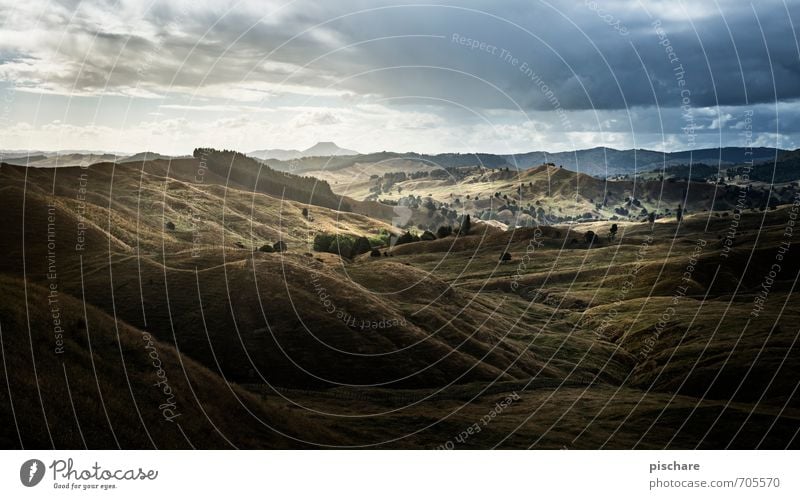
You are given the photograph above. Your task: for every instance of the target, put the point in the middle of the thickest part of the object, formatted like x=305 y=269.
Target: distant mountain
x=403 y=161
x=51 y=160
x=598 y=161
x=318 y=149
x=602 y=161
x=278 y=154
x=328 y=149
x=22 y=160
x=143 y=156
x=23 y=152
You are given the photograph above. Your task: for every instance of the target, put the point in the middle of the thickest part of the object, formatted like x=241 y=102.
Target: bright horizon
x=189 y=153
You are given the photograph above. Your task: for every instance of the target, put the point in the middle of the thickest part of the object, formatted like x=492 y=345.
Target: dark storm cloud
x=574 y=48
x=582 y=57
x=568 y=66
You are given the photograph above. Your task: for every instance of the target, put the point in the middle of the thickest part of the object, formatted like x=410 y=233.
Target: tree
x=505 y=257
x=612 y=232
x=169 y=226
x=679 y=213
x=427 y=236
x=305 y=212
x=444 y=231
x=465 y=226
x=405 y=238
x=341 y=245
x=279 y=247
x=361 y=246
x=322 y=241
x=651 y=217
x=267 y=248
x=590 y=237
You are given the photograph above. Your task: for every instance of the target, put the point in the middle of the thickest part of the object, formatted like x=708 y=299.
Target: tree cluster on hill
x=252 y=174
x=341 y=244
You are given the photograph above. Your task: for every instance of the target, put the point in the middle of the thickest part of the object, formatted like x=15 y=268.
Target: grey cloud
x=584 y=60
x=588 y=64
x=579 y=61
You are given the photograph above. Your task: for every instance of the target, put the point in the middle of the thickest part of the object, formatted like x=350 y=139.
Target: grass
x=232 y=323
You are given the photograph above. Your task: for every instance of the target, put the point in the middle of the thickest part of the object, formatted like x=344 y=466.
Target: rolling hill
x=599 y=162
x=646 y=340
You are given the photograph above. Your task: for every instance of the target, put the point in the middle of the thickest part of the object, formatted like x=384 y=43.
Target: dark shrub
x=361 y=246
x=427 y=236
x=169 y=226
x=375 y=253
x=267 y=248
x=342 y=246
x=322 y=241
x=465 y=226
x=590 y=237
x=444 y=231
x=505 y=257
x=406 y=238
x=280 y=246
x=305 y=212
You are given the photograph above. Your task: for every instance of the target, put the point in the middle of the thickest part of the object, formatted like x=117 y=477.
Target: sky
x=461 y=76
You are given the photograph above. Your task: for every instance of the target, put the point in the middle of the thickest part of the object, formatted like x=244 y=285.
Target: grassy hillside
x=647 y=339
x=547 y=194
x=109 y=385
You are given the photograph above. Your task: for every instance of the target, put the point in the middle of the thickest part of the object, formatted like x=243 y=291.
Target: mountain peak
x=327 y=149
x=324 y=148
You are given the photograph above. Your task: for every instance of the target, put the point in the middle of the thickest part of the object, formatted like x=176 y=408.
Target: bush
x=375 y=253
x=407 y=238
x=590 y=237
x=427 y=236
x=267 y=248
x=444 y=231
x=361 y=246
x=505 y=257
x=382 y=239
x=465 y=226
x=342 y=246
x=169 y=226
x=322 y=241
x=280 y=246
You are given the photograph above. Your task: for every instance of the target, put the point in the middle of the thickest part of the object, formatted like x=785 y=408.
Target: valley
x=658 y=333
